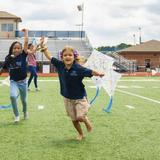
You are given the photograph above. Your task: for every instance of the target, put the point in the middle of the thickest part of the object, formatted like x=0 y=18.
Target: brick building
x=147 y=52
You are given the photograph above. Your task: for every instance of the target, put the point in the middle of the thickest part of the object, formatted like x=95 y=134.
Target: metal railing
x=53 y=34
x=123 y=64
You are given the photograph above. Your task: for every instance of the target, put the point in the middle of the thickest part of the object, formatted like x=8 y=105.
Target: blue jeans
x=16 y=89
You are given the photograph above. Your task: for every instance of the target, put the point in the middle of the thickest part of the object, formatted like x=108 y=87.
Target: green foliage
x=105 y=49
x=123 y=134
x=123 y=46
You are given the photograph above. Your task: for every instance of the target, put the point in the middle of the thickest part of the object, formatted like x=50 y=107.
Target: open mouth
x=68 y=60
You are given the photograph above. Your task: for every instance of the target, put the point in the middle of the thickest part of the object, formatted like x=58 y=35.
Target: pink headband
x=74 y=52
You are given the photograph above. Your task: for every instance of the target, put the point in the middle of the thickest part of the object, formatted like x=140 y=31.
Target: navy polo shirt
x=71 y=85
x=17 y=66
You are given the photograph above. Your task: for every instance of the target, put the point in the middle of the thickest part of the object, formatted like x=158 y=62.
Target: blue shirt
x=71 y=85
x=17 y=66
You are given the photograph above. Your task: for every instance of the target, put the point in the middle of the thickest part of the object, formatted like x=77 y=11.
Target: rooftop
x=6 y=15
x=149 y=46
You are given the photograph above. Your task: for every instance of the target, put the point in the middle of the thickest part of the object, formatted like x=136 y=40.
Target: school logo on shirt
x=73 y=73
x=15 y=65
x=18 y=64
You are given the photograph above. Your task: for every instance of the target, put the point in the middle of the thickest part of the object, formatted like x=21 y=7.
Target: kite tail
x=5 y=107
x=108 y=108
x=93 y=99
x=8 y=106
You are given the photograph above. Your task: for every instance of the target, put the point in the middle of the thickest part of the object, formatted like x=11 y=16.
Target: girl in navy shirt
x=72 y=89
x=15 y=62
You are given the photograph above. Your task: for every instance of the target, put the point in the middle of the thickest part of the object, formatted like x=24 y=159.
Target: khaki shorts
x=76 y=108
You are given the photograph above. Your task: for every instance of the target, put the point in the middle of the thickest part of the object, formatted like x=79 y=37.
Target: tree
x=105 y=49
x=123 y=46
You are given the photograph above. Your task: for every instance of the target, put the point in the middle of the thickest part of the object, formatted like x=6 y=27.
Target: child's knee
x=81 y=118
x=13 y=97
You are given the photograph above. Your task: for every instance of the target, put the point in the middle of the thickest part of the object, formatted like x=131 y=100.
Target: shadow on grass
x=64 y=143
x=11 y=123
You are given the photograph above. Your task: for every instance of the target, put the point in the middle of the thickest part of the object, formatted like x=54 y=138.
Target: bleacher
x=55 y=45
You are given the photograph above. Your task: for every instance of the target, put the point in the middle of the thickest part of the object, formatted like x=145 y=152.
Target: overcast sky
x=106 y=22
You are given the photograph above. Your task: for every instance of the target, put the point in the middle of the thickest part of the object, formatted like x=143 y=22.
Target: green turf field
x=129 y=132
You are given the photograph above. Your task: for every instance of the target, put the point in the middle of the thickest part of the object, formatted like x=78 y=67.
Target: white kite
x=103 y=63
x=6 y=82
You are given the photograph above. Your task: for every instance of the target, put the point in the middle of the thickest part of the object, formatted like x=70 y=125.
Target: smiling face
x=17 y=49
x=68 y=57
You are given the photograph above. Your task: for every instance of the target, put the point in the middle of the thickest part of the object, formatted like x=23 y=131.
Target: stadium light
x=140 y=39
x=134 y=39
x=81 y=9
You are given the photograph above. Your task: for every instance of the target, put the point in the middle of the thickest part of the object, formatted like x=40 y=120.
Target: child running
x=15 y=61
x=72 y=89
x=32 y=65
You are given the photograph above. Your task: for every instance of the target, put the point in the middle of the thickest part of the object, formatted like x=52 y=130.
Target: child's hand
x=95 y=73
x=41 y=46
x=24 y=30
x=101 y=74
x=42 y=40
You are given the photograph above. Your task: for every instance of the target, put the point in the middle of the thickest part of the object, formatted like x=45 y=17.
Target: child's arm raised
x=25 y=39
x=44 y=49
x=47 y=53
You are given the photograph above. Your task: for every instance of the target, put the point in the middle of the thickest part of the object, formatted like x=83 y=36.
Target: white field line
x=48 y=80
x=89 y=80
x=56 y=80
x=139 y=96
x=132 y=80
x=121 y=87
x=130 y=107
x=132 y=86
x=140 y=80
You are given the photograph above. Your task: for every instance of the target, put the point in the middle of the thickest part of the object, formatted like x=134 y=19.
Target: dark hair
x=11 y=47
x=29 y=45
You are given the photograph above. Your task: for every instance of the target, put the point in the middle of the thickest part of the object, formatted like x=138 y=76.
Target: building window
x=6 y=27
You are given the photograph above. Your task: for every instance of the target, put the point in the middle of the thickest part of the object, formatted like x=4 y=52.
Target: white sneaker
x=26 y=115
x=17 y=119
x=37 y=89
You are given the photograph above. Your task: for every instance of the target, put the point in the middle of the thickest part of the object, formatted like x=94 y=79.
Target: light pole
x=134 y=39
x=81 y=9
x=140 y=40
x=79 y=29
